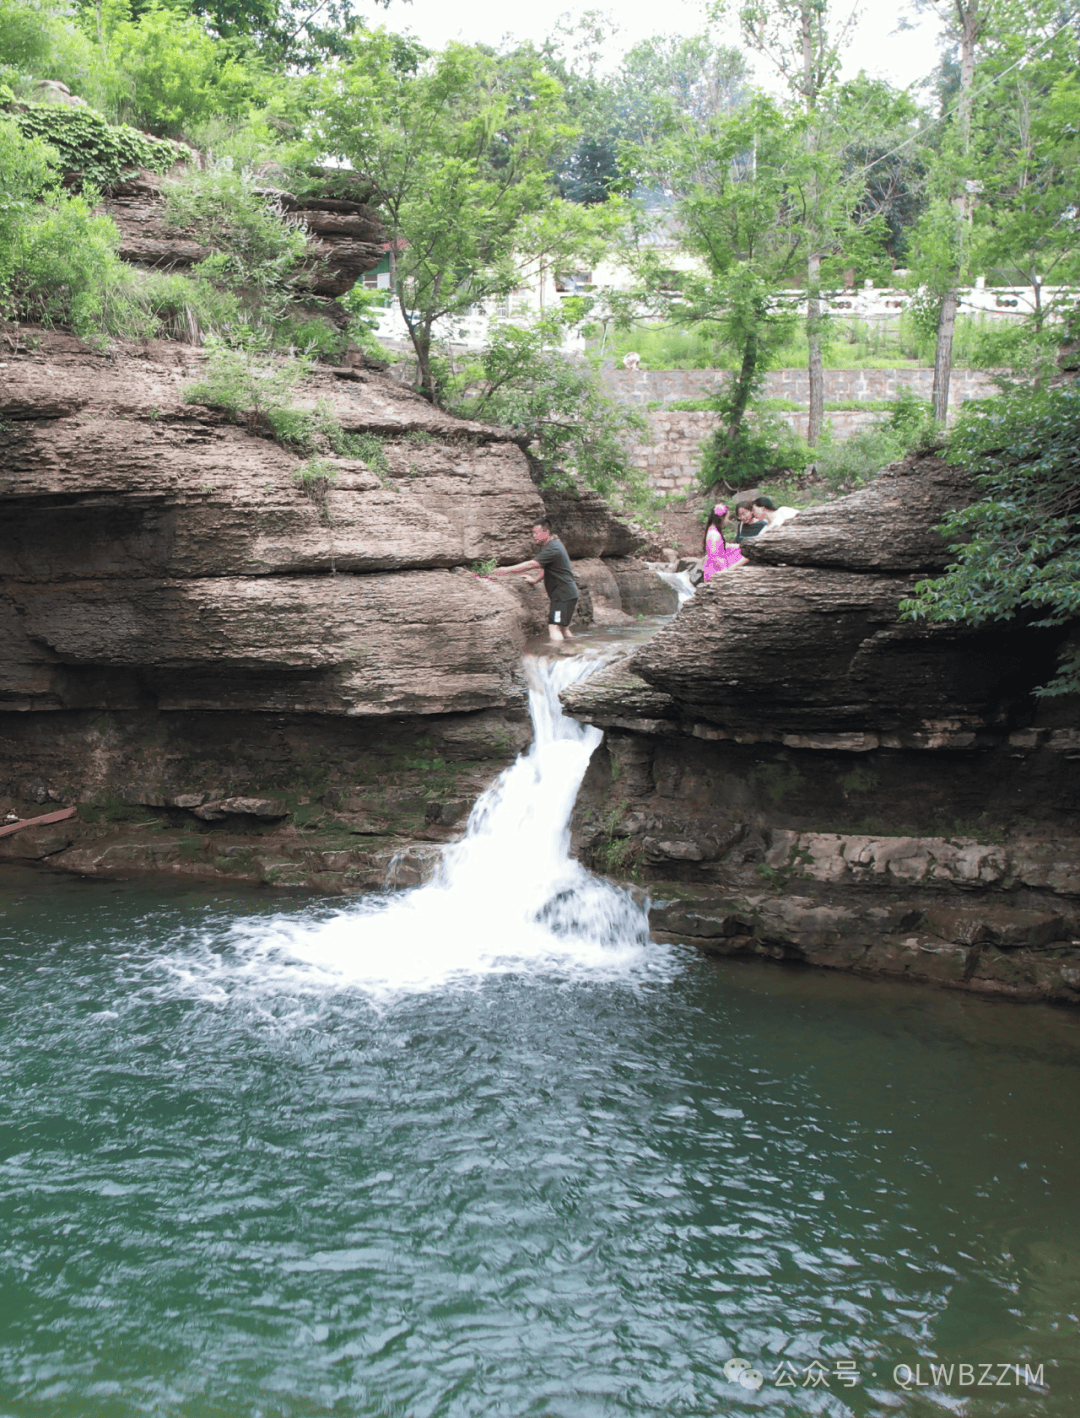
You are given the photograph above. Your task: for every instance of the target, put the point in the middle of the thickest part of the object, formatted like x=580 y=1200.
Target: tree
x=795 y=36
x=664 y=81
x=1025 y=147
x=555 y=406
x=278 y=32
x=740 y=187
x=748 y=203
x=877 y=130
x=458 y=149
x=943 y=248
x=164 y=73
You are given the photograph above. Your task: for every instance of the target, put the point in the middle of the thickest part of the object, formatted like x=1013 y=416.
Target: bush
x=908 y=428
x=1018 y=547
x=556 y=407
x=35 y=39
x=165 y=73
x=313 y=335
x=99 y=151
x=246 y=383
x=854 y=461
x=256 y=388
x=256 y=246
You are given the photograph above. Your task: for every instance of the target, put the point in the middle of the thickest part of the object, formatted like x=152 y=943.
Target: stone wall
x=642 y=387
x=671 y=456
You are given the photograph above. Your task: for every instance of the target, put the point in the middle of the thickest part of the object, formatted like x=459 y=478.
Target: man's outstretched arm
x=514 y=570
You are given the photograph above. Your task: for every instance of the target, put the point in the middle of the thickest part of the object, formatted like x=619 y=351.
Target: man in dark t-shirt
x=552 y=566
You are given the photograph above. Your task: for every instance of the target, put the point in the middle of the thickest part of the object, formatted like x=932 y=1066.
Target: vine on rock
x=98 y=151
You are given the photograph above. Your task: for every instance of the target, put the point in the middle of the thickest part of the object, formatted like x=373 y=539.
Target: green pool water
x=234 y=1184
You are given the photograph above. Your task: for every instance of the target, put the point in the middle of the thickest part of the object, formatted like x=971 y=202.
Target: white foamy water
x=684 y=587
x=508 y=898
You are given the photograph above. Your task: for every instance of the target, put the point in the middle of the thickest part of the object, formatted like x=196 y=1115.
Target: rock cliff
x=798 y=772
x=345 y=237
x=184 y=625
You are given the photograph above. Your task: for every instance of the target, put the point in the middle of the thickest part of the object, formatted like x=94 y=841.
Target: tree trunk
x=743 y=386
x=970 y=26
x=815 y=372
x=814 y=368
x=943 y=355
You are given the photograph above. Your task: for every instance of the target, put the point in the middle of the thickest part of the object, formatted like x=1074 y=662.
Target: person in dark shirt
x=552 y=566
x=749 y=525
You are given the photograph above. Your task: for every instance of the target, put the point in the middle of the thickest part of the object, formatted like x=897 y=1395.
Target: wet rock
x=266 y=809
x=642 y=591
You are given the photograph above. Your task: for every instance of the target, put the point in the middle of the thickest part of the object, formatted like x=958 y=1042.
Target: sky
x=876 y=45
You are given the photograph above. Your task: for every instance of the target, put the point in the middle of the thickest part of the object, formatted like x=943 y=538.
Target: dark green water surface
x=230 y=1186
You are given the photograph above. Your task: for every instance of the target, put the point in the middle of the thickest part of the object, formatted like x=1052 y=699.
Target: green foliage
x=60 y=266
x=911 y=420
x=315 y=470
x=246 y=383
x=846 y=464
x=483 y=568
x=668 y=346
x=851 y=463
x=165 y=73
x=316 y=476
x=687 y=406
x=98 y=151
x=614 y=851
x=761 y=448
x=38 y=39
x=459 y=148
x=59 y=262
x=313 y=335
x=362 y=303
x=369 y=448
x=256 y=388
x=556 y=407
x=256 y=248
x=1018 y=547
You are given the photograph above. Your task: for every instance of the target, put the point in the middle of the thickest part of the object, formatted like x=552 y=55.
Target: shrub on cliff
x=256 y=248
x=555 y=405
x=59 y=262
x=1018 y=547
x=94 y=151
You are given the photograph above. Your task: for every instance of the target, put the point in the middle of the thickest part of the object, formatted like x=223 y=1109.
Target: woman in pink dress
x=718 y=555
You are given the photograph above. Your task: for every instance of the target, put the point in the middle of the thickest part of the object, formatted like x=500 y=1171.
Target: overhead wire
x=974 y=94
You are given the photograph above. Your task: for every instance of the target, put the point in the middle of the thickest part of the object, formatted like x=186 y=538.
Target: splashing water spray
x=508 y=898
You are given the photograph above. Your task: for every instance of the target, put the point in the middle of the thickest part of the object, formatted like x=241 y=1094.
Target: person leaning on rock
x=749 y=525
x=766 y=509
x=554 y=568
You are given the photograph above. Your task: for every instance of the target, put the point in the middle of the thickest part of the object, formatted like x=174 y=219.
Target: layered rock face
x=799 y=772
x=345 y=238
x=183 y=623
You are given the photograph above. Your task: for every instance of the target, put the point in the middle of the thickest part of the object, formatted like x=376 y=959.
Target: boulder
x=887 y=526
x=800 y=650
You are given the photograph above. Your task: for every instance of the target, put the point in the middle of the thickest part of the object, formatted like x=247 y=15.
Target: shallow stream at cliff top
x=481 y=1149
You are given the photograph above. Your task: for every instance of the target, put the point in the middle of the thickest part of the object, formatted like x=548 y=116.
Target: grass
x=893 y=343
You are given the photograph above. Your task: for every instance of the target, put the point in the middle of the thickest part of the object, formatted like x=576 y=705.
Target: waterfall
x=684 y=587
x=508 y=898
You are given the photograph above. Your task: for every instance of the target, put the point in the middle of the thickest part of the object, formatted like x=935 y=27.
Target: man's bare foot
x=555 y=635
x=567 y=634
